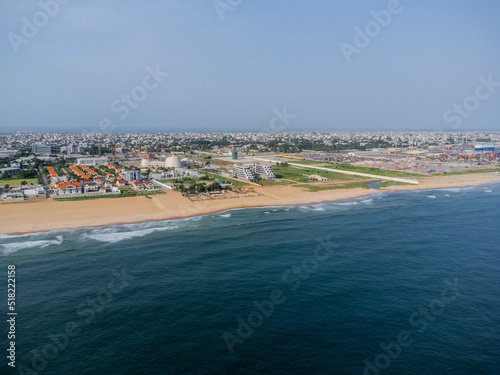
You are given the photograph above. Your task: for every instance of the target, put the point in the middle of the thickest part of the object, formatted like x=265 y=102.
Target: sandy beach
x=47 y=215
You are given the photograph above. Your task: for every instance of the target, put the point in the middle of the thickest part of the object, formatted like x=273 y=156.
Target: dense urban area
x=201 y=166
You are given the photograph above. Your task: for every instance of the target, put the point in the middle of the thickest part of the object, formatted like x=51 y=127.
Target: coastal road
x=385 y=178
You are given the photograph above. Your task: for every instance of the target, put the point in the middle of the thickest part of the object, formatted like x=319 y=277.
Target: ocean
x=394 y=283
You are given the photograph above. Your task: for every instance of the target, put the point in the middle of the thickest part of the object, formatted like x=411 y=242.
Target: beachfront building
x=91 y=187
x=149 y=185
x=244 y=172
x=264 y=171
x=94 y=162
x=68 y=188
x=13 y=196
x=253 y=172
x=33 y=190
x=137 y=185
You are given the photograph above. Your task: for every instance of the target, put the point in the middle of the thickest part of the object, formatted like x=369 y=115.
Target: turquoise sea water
x=399 y=283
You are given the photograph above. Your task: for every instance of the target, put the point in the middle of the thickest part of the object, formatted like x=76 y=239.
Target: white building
x=253 y=172
x=264 y=171
x=244 y=172
x=170 y=162
x=33 y=190
x=92 y=162
x=16 y=196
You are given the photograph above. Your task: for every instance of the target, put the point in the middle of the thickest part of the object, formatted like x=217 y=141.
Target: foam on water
x=10 y=248
x=355 y=203
x=113 y=235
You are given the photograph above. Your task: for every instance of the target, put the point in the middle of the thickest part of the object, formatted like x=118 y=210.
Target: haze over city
x=232 y=66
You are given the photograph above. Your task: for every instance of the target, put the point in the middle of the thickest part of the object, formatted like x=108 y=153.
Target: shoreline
x=25 y=218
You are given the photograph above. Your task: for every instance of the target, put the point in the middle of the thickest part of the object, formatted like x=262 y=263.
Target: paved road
x=44 y=181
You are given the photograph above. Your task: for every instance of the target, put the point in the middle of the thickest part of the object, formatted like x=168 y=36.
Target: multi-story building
x=244 y=172
x=264 y=171
x=40 y=149
x=133 y=175
x=253 y=172
x=7 y=153
x=95 y=162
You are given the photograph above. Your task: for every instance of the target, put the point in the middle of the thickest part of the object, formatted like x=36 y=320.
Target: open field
x=17 y=181
x=350 y=168
x=326 y=186
x=298 y=174
x=475 y=171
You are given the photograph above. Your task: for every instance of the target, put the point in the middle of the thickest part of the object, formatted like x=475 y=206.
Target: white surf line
x=404 y=180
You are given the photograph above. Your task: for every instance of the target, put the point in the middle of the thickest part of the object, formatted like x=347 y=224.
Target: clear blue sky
x=229 y=75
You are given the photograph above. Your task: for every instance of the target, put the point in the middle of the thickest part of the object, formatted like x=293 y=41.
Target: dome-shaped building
x=173 y=162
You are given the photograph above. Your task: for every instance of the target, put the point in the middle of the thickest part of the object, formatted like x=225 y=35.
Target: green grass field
x=350 y=168
x=17 y=181
x=217 y=177
x=298 y=174
x=475 y=171
x=350 y=185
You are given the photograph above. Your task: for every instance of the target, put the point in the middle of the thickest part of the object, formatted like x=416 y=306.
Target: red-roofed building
x=67 y=188
x=137 y=185
x=149 y=185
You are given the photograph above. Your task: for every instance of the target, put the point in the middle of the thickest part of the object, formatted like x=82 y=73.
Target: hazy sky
x=233 y=65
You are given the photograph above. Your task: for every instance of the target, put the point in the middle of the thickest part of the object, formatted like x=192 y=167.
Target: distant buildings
x=40 y=149
x=95 y=162
x=7 y=153
x=72 y=149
